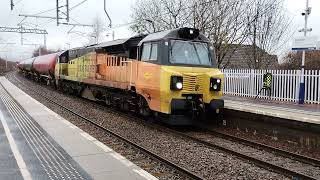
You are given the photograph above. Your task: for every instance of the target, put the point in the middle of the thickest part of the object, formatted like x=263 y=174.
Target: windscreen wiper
x=195 y=49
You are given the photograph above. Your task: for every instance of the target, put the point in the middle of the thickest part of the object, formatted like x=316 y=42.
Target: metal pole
x=67 y=6
x=45 y=41
x=302 y=83
x=105 y=10
x=6 y=62
x=21 y=36
x=11 y=5
x=57 y=12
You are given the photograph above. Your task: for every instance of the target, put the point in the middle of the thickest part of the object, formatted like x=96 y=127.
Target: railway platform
x=297 y=125
x=295 y=112
x=37 y=143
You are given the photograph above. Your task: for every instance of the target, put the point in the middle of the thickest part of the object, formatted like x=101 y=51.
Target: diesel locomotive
x=170 y=75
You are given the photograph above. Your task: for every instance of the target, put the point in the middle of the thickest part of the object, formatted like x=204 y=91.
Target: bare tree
x=97 y=31
x=43 y=51
x=225 y=27
x=152 y=16
x=221 y=21
x=6 y=65
x=227 y=23
x=268 y=30
x=293 y=61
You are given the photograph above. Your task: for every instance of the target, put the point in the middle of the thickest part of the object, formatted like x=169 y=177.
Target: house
x=242 y=57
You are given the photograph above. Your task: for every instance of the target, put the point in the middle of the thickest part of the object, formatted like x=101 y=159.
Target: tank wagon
x=26 y=66
x=170 y=75
x=41 y=67
x=44 y=66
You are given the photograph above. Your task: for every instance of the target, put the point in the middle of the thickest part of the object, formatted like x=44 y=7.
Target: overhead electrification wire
x=53 y=9
x=18 y=2
x=47 y=11
x=46 y=23
x=77 y=5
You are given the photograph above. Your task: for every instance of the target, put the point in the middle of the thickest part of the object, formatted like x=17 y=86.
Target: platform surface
x=36 y=143
x=304 y=113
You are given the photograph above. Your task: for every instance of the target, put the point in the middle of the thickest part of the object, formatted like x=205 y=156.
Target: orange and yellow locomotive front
x=195 y=88
x=180 y=77
x=170 y=88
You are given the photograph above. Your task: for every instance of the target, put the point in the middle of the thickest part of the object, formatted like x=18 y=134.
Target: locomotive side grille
x=192 y=83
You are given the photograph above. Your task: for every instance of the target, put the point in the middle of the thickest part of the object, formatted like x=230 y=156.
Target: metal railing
x=285 y=84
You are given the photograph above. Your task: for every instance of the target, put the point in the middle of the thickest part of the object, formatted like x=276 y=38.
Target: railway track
x=281 y=152
x=261 y=163
x=151 y=154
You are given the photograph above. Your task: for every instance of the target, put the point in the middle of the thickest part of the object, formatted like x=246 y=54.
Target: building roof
x=241 y=57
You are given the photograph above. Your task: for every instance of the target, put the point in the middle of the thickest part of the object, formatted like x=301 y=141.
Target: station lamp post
x=306 y=14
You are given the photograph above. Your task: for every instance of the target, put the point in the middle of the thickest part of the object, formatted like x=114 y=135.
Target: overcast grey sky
x=119 y=11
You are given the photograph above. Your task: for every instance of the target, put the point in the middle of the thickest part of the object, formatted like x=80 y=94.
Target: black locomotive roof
x=111 y=43
x=179 y=33
x=128 y=42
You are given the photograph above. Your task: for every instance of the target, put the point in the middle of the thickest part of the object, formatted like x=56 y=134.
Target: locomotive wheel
x=36 y=78
x=70 y=90
x=108 y=100
x=78 y=92
x=143 y=108
x=65 y=88
x=125 y=105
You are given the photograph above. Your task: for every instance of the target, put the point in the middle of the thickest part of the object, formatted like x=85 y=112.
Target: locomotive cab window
x=189 y=52
x=149 y=52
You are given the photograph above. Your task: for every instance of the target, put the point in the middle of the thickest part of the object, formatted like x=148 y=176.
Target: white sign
x=305 y=43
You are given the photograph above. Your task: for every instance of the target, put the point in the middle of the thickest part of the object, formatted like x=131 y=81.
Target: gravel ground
x=260 y=154
x=211 y=164
x=285 y=145
x=155 y=168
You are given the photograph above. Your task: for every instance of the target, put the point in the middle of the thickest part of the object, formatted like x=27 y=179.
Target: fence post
x=312 y=84
x=318 y=87
x=298 y=76
x=251 y=82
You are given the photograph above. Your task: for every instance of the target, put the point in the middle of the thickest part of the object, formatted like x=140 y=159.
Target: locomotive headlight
x=215 y=84
x=176 y=83
x=179 y=85
x=215 y=87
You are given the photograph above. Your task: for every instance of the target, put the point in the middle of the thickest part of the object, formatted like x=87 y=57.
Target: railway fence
x=285 y=84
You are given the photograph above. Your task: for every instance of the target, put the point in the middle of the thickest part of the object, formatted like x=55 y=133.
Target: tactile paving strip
x=56 y=163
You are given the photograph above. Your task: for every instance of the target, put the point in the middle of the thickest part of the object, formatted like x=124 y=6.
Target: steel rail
x=258 y=162
x=129 y=142
x=281 y=152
